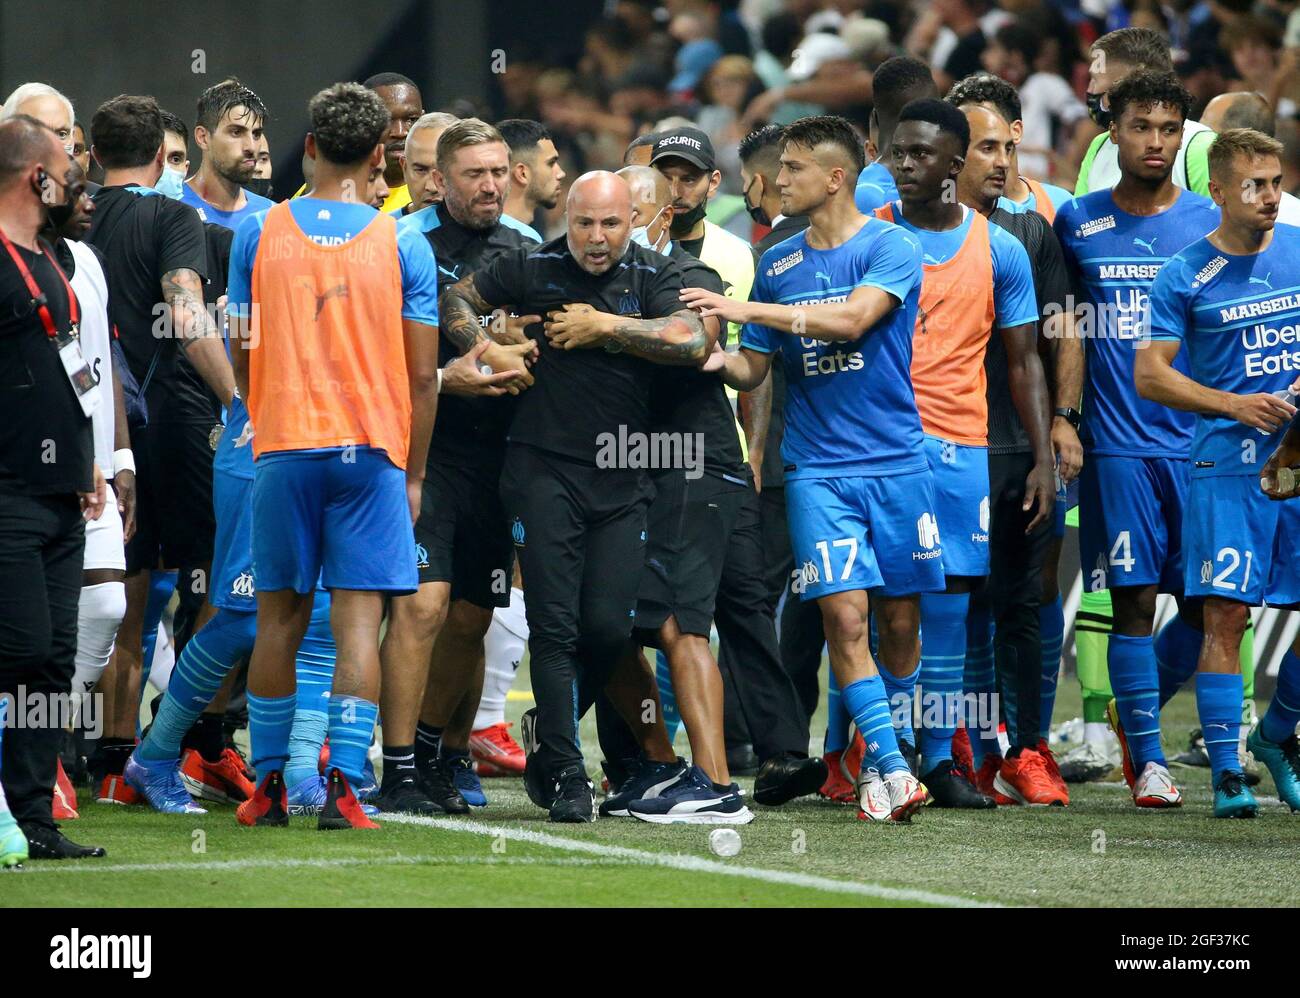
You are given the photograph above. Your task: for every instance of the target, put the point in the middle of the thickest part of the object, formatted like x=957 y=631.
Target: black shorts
x=462 y=535
x=175 y=523
x=690 y=525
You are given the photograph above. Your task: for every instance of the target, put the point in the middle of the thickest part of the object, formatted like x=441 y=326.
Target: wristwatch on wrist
x=1072 y=416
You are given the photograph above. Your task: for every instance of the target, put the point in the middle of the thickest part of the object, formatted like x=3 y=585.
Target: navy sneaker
x=466 y=780
x=541 y=791
x=694 y=800
x=647 y=781
x=575 y=797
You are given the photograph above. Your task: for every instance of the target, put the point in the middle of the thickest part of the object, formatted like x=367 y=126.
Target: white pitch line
x=235 y=865
x=694 y=864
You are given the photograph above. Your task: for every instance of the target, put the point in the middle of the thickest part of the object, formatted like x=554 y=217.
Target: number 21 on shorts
x=1228 y=560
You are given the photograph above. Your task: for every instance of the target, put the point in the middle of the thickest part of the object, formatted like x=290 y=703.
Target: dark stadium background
x=95 y=49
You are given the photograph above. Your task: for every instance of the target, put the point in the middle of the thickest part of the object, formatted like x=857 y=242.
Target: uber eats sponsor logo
x=1268 y=349
x=98 y=952
x=651 y=451
x=1120 y=317
x=819 y=358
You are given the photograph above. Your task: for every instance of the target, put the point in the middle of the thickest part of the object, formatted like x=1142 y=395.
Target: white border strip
x=693 y=864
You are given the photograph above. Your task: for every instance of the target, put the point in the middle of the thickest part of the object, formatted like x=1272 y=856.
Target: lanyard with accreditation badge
x=68 y=344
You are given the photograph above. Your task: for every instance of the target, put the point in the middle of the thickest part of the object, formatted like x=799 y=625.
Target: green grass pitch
x=1100 y=851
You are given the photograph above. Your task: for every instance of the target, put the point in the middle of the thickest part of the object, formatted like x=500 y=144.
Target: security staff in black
x=433 y=652
x=574 y=486
x=47 y=476
x=1016 y=554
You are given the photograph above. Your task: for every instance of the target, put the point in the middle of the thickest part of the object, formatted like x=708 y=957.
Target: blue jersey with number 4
x=1239 y=318
x=1116 y=257
x=850 y=409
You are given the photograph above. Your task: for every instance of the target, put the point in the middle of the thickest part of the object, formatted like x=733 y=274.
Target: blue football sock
x=270 y=720
x=206 y=660
x=1178 y=647
x=1051 y=631
x=900 y=691
x=837 y=718
x=1218 y=703
x=314 y=670
x=1131 y=662
x=981 y=686
x=664 y=679
x=943 y=668
x=161 y=587
x=351 y=726
x=1283 y=713
x=865 y=701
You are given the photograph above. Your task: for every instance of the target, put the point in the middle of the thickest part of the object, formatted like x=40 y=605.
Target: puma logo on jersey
x=338 y=291
x=1265 y=280
x=1150 y=247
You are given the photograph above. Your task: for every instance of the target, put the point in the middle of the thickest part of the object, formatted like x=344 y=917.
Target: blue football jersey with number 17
x=850 y=409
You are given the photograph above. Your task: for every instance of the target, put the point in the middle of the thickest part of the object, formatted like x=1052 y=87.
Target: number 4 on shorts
x=1121 y=552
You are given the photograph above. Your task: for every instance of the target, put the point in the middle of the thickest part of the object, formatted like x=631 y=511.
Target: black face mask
x=260 y=185
x=756 y=211
x=60 y=214
x=1096 y=112
x=687 y=220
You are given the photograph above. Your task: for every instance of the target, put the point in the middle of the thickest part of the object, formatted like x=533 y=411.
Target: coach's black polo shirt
x=581 y=394
x=467 y=430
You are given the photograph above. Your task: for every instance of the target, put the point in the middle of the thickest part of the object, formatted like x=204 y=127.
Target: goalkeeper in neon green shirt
x=1113 y=57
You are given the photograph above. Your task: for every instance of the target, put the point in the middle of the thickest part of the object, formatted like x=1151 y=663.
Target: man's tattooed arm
x=459 y=308
x=196 y=334
x=682 y=338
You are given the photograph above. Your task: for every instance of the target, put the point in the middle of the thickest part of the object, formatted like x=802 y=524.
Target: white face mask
x=641 y=236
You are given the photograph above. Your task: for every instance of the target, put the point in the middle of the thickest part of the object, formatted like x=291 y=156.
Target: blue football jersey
x=1239 y=320
x=875 y=188
x=850 y=409
x=1115 y=257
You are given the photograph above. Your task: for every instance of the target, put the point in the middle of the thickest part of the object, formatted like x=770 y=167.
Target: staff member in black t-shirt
x=157 y=263
x=48 y=482
x=1018 y=555
x=574 y=484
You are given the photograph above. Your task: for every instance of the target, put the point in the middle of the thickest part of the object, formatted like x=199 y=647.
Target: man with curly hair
x=334 y=318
